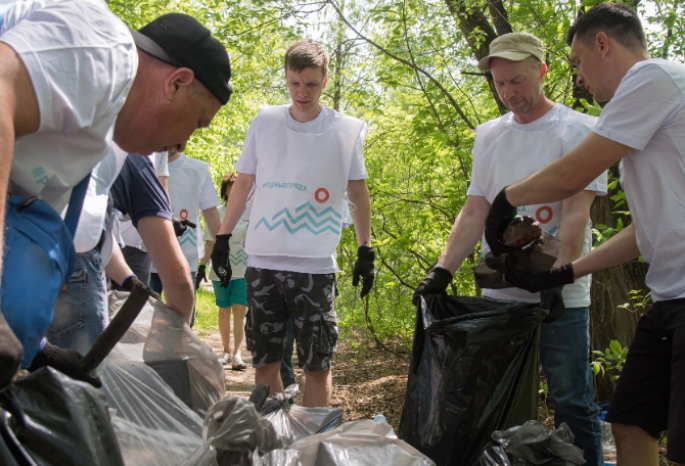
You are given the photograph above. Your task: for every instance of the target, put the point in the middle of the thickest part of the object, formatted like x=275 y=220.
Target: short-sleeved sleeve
x=247 y=163
x=358 y=168
x=475 y=188
x=137 y=191
x=162 y=163
x=647 y=90
x=208 y=197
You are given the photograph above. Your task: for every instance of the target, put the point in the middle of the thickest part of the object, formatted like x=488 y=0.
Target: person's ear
x=325 y=81
x=178 y=81
x=602 y=43
x=543 y=71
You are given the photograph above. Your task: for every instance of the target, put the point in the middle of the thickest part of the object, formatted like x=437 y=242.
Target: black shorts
x=274 y=297
x=651 y=389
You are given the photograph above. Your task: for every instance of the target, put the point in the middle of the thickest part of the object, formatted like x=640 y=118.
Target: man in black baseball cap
x=182 y=81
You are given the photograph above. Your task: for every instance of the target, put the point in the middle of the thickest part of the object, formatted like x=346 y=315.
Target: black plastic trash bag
x=533 y=444
x=293 y=422
x=56 y=421
x=469 y=366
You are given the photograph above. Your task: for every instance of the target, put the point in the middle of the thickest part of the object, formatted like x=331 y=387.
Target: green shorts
x=276 y=296
x=236 y=293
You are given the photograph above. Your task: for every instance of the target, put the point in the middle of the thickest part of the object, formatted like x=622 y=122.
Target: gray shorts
x=274 y=297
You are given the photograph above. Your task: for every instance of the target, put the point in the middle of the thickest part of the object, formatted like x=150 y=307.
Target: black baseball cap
x=181 y=40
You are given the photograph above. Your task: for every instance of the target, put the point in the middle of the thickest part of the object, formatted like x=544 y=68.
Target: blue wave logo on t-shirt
x=306 y=218
x=238 y=258
x=188 y=237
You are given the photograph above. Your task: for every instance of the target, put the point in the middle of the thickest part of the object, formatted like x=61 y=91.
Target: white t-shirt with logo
x=82 y=62
x=191 y=190
x=248 y=164
x=647 y=113
x=506 y=152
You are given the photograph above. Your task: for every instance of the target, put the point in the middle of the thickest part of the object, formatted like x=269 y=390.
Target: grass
x=206 y=312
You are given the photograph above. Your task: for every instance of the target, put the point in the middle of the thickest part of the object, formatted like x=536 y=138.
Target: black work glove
x=180 y=226
x=67 y=361
x=363 y=269
x=500 y=216
x=552 y=300
x=200 y=275
x=11 y=353
x=553 y=278
x=220 y=259
x=436 y=282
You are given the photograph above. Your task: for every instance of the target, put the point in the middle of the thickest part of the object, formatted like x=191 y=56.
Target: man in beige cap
x=508 y=149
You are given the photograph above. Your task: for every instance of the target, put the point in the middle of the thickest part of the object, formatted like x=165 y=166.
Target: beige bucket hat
x=515 y=46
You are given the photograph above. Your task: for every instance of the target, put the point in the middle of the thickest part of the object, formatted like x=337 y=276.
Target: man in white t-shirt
x=507 y=150
x=300 y=159
x=643 y=126
x=192 y=192
x=74 y=80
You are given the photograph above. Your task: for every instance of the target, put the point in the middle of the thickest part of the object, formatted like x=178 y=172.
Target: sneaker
x=225 y=359
x=238 y=364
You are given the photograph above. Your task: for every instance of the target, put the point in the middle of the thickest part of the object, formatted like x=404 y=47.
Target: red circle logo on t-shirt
x=544 y=214
x=183 y=214
x=321 y=195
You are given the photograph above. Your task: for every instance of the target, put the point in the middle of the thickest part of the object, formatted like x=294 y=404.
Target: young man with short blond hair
x=301 y=158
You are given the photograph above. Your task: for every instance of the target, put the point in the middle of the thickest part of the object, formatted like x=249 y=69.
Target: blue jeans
x=156 y=286
x=81 y=308
x=287 y=373
x=564 y=355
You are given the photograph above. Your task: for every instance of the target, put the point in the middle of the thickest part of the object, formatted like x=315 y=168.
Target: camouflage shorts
x=274 y=297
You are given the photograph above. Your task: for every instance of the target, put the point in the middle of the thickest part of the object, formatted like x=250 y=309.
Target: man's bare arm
x=161 y=243
x=235 y=207
x=19 y=116
x=117 y=269
x=358 y=192
x=213 y=220
x=570 y=174
x=209 y=246
x=466 y=232
x=575 y=212
x=618 y=250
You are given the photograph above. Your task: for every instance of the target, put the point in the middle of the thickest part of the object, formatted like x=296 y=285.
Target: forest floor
x=366 y=380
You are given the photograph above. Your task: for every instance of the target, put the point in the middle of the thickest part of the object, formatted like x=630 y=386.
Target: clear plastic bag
x=293 y=422
x=234 y=434
x=277 y=458
x=153 y=425
x=171 y=348
x=358 y=443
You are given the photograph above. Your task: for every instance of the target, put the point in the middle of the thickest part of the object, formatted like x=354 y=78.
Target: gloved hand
x=500 y=216
x=220 y=259
x=64 y=360
x=180 y=226
x=11 y=353
x=436 y=282
x=544 y=281
x=200 y=275
x=363 y=269
x=552 y=300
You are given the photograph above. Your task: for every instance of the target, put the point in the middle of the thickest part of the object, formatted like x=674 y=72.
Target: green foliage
x=410 y=72
x=610 y=361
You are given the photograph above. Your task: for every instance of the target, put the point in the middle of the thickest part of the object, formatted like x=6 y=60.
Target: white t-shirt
x=647 y=114
x=160 y=160
x=82 y=62
x=248 y=164
x=506 y=152
x=191 y=190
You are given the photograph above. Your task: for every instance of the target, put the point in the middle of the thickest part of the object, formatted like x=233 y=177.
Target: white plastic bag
x=293 y=422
